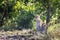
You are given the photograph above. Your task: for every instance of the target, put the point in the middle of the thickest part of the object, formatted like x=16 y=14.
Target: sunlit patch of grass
x=52 y=27
x=54 y=31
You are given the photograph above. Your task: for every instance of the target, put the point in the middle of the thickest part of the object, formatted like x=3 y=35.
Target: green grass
x=52 y=27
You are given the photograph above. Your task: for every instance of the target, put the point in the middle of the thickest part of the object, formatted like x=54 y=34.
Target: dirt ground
x=21 y=35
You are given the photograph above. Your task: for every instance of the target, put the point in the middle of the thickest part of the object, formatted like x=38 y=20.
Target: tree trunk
x=5 y=13
x=48 y=12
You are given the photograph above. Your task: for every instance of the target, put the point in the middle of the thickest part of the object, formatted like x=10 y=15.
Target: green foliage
x=25 y=18
x=22 y=12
